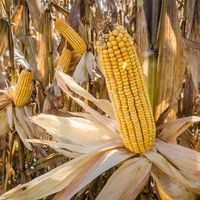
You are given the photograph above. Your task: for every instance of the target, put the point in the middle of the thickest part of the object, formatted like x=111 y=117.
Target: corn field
x=99 y=99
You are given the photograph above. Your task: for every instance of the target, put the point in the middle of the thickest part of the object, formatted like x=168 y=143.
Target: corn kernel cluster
x=22 y=91
x=127 y=91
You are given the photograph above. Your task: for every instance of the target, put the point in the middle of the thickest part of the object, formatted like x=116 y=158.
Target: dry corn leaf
x=190 y=181
x=17 y=16
x=35 y=8
x=2 y=10
x=85 y=106
x=75 y=129
x=104 y=105
x=22 y=119
x=72 y=176
x=90 y=117
x=36 y=131
x=97 y=168
x=3 y=35
x=179 y=156
x=80 y=74
x=60 y=9
x=21 y=132
x=120 y=185
x=4 y=127
x=193 y=55
x=174 y=190
x=142 y=39
x=30 y=44
x=66 y=153
x=20 y=59
x=5 y=99
x=172 y=129
x=42 y=71
x=82 y=31
x=86 y=69
x=77 y=148
x=9 y=109
x=171 y=58
x=99 y=117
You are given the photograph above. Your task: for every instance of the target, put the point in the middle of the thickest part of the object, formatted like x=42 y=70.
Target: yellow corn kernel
x=111 y=38
x=22 y=91
x=115 y=33
x=121 y=44
x=71 y=35
x=109 y=44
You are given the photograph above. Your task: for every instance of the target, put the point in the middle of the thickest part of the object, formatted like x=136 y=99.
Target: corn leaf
x=179 y=156
x=22 y=133
x=4 y=127
x=5 y=99
x=169 y=187
x=172 y=129
x=89 y=109
x=188 y=180
x=104 y=105
x=10 y=116
x=78 y=148
x=127 y=181
x=72 y=176
x=171 y=58
x=75 y=129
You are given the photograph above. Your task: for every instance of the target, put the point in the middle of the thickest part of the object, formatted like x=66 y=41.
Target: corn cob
x=65 y=59
x=22 y=91
x=127 y=91
x=71 y=36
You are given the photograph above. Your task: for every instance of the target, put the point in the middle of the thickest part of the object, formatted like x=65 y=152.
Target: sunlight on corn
x=127 y=90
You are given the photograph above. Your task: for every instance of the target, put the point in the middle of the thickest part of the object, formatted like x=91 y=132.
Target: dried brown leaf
x=172 y=129
x=72 y=176
x=9 y=109
x=17 y=16
x=3 y=35
x=4 y=127
x=186 y=179
x=22 y=133
x=35 y=9
x=109 y=159
x=171 y=58
x=104 y=105
x=179 y=156
x=75 y=129
x=172 y=189
x=120 y=185
x=5 y=99
x=193 y=34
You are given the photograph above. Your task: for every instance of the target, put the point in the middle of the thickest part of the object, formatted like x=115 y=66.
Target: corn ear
x=127 y=90
x=71 y=36
x=22 y=91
